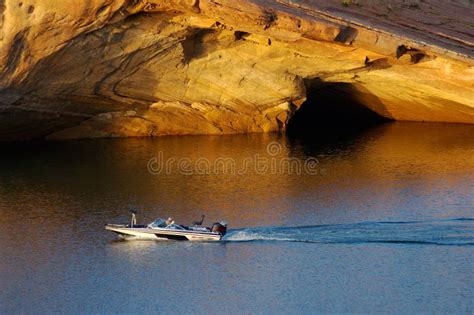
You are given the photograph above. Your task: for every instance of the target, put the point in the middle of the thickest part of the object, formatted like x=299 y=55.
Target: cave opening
x=335 y=110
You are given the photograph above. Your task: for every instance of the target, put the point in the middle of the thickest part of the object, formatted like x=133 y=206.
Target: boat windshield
x=176 y=227
x=158 y=223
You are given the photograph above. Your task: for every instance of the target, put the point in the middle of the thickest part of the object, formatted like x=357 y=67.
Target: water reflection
x=69 y=181
x=58 y=196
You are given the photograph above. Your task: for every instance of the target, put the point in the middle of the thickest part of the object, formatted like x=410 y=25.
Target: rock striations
x=114 y=68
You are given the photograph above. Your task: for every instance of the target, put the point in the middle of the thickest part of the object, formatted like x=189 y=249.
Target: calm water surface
x=384 y=222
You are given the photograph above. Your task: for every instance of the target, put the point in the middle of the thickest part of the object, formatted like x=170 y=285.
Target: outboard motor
x=219 y=227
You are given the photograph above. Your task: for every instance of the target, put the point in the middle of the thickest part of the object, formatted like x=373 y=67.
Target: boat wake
x=458 y=232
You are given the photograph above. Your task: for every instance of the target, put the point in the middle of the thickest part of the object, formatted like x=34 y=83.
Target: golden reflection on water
x=82 y=181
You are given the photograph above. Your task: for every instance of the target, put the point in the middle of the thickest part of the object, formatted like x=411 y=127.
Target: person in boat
x=133 y=220
x=169 y=221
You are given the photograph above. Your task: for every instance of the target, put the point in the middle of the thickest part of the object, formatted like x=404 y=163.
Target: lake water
x=382 y=221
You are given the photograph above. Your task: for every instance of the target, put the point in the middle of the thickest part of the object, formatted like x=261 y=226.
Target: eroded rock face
x=77 y=69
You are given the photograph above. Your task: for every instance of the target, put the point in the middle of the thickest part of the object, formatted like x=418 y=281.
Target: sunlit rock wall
x=75 y=69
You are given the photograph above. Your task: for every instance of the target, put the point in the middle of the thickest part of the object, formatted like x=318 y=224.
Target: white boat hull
x=162 y=233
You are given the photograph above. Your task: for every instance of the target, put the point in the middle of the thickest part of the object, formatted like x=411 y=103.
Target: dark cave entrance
x=335 y=110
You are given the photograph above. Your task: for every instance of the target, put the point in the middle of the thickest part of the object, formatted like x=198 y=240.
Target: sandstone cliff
x=73 y=68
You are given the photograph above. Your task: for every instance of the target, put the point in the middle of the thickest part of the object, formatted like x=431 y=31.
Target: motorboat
x=161 y=229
